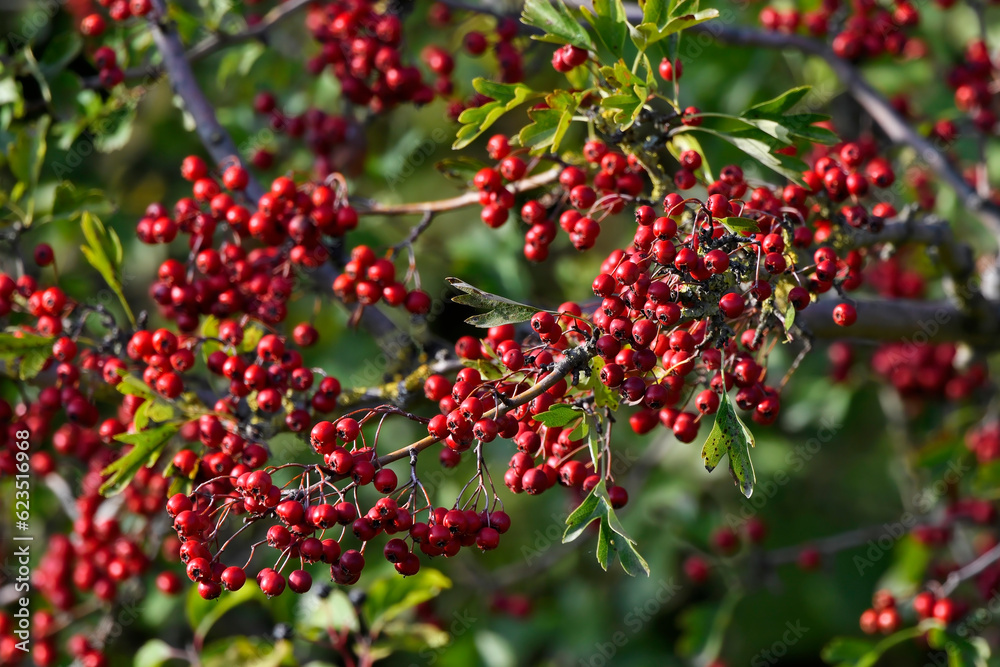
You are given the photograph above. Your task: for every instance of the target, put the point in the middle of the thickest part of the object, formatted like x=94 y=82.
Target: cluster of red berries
x=109 y=72
x=647 y=287
x=228 y=279
x=868 y=31
x=587 y=198
x=325 y=134
x=361 y=45
x=972 y=81
x=927 y=370
x=884 y=615
x=368 y=280
x=848 y=173
x=44 y=649
x=302 y=517
x=94 y=557
x=94 y=25
x=984 y=442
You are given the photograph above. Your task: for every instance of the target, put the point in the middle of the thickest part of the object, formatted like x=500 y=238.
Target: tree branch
x=901 y=320
x=215 y=138
x=221 y=40
x=877 y=106
x=398 y=391
x=370 y=207
x=572 y=361
x=215 y=43
x=967 y=572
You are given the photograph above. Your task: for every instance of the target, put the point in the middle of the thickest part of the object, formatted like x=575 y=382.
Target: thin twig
x=970 y=570
x=369 y=207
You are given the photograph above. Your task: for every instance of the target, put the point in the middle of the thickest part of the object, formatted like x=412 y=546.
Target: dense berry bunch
x=865 y=29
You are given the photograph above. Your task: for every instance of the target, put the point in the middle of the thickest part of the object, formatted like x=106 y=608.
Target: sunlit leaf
x=730 y=436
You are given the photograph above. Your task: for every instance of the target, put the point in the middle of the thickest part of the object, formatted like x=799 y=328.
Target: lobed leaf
x=502 y=311
x=31 y=351
x=556 y=22
x=146 y=449
x=610 y=26
x=559 y=414
x=475 y=121
x=104 y=252
x=730 y=436
x=611 y=536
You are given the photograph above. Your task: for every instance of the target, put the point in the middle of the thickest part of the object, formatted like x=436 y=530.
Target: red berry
x=845 y=314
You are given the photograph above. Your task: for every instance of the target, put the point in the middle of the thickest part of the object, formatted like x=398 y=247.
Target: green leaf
x=141 y=416
x=761 y=150
x=251 y=336
x=209 y=329
x=25 y=156
x=26 y=153
x=238 y=61
x=687 y=142
x=778 y=105
x=591 y=509
x=390 y=596
x=611 y=536
x=146 y=449
x=477 y=120
x=316 y=616
x=104 y=252
x=581 y=430
x=744 y=226
x=409 y=637
x=247 y=651
x=115 y=128
x=629 y=102
x=790 y=312
x=153 y=653
x=546 y=129
x=594 y=445
x=632 y=562
x=559 y=414
x=604 y=396
x=842 y=654
x=160 y=411
x=59 y=51
x=962 y=651
x=610 y=25
x=69 y=202
x=131 y=385
x=286 y=445
x=31 y=351
x=549 y=126
x=603 y=543
x=788 y=125
x=557 y=23
x=646 y=34
x=202 y=614
x=654 y=11
x=682 y=7
x=502 y=311
x=846 y=649
x=730 y=436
